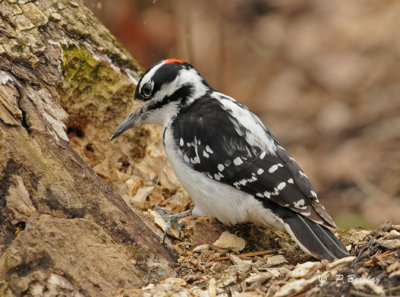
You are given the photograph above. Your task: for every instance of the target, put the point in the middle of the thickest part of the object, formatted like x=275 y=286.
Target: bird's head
x=162 y=89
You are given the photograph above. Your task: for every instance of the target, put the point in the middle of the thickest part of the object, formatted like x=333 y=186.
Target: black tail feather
x=314 y=238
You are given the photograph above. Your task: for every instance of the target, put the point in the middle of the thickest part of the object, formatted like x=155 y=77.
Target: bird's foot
x=172 y=220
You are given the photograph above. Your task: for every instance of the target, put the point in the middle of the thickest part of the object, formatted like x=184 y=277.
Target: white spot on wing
x=260 y=171
x=267 y=194
x=313 y=194
x=209 y=150
x=300 y=204
x=263 y=155
x=281 y=186
x=217 y=177
x=303 y=174
x=273 y=168
x=221 y=167
x=252 y=179
x=237 y=161
x=290 y=181
x=181 y=142
x=205 y=154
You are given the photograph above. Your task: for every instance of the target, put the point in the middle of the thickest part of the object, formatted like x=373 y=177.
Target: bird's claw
x=172 y=220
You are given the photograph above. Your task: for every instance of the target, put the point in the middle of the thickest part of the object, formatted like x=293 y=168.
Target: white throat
x=164 y=115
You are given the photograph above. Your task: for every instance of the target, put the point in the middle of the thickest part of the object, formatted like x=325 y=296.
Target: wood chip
x=296 y=286
x=257 y=279
x=340 y=262
x=368 y=284
x=389 y=244
x=230 y=241
x=140 y=199
x=275 y=260
x=212 y=288
x=305 y=269
x=200 y=248
x=393 y=267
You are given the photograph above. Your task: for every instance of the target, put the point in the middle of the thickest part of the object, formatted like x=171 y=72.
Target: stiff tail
x=314 y=238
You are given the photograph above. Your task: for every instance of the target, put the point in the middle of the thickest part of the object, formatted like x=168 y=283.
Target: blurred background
x=324 y=76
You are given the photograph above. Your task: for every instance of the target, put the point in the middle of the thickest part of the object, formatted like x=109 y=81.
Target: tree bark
x=62 y=229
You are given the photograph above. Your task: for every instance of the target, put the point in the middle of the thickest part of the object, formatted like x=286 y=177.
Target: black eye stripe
x=181 y=93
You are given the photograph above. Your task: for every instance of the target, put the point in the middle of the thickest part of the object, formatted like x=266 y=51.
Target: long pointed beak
x=134 y=117
x=130 y=120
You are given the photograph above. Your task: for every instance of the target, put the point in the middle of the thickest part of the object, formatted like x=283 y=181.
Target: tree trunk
x=62 y=229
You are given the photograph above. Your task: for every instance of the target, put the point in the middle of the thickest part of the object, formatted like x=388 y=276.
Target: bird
x=232 y=166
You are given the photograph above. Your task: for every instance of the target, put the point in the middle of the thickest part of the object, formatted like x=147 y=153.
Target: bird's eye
x=147 y=89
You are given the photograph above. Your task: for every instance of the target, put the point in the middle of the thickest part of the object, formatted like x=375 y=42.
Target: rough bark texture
x=62 y=229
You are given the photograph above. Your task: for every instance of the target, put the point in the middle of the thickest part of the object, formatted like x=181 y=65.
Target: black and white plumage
x=231 y=165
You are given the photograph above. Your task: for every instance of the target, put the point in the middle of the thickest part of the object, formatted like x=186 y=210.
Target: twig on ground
x=251 y=254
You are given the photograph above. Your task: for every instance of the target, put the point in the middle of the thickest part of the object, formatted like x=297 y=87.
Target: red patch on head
x=173 y=60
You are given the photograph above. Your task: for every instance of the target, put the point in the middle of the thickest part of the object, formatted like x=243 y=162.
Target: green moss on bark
x=92 y=90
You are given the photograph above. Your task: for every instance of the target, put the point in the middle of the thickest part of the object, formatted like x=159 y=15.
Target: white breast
x=212 y=198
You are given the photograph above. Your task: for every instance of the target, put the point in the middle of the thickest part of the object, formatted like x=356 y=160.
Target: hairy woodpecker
x=233 y=168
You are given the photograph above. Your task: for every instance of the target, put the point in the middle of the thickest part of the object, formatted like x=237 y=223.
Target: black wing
x=212 y=141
